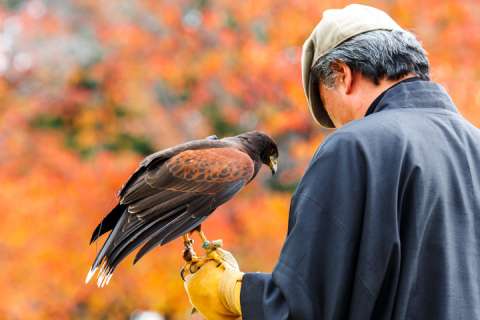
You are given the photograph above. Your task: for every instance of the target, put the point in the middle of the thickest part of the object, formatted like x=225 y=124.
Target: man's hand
x=213 y=284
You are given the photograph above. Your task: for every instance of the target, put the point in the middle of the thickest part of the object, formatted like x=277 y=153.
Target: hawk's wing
x=173 y=197
x=151 y=162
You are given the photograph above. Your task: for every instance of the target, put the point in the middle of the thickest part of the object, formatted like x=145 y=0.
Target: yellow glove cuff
x=229 y=287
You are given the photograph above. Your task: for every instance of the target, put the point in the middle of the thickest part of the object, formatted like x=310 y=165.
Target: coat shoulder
x=376 y=136
x=385 y=125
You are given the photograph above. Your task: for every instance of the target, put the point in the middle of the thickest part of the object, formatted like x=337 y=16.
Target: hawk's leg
x=210 y=246
x=189 y=254
x=207 y=244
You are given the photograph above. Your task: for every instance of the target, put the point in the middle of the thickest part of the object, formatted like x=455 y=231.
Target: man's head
x=352 y=56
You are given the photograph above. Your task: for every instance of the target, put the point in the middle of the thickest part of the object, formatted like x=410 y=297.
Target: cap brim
x=315 y=103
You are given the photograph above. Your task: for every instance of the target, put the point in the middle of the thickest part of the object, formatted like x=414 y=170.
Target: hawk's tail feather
x=101 y=255
x=118 y=246
x=104 y=275
x=90 y=274
x=131 y=244
x=108 y=223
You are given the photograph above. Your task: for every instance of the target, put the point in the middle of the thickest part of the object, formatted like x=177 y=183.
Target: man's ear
x=344 y=76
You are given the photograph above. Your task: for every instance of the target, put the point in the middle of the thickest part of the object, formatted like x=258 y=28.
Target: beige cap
x=336 y=26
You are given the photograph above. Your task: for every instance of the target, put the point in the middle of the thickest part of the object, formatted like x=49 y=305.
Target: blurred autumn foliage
x=87 y=88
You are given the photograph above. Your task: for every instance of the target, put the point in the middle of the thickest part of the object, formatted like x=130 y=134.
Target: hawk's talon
x=189 y=254
x=193 y=268
x=213 y=255
x=188 y=243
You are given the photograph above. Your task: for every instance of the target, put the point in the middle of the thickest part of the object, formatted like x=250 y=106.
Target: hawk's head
x=262 y=146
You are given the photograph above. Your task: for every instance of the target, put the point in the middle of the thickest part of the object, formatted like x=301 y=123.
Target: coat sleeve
x=314 y=275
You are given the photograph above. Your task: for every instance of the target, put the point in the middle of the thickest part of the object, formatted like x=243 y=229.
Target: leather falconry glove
x=213 y=284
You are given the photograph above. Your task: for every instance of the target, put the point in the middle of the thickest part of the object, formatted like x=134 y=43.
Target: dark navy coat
x=385 y=223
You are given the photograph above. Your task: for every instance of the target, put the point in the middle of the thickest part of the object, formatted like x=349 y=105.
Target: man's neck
x=371 y=91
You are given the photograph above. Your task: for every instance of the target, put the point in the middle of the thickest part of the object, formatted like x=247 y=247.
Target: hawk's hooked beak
x=273 y=164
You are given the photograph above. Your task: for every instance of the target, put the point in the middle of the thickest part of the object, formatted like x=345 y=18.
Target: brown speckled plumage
x=211 y=165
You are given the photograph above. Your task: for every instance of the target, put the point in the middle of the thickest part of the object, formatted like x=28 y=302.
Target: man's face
x=337 y=104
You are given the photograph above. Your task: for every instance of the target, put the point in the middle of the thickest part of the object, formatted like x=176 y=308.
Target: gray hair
x=376 y=55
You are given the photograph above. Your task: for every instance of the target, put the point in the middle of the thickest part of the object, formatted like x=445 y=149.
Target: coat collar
x=412 y=93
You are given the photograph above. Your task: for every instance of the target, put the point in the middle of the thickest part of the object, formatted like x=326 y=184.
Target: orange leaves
x=110 y=81
x=50 y=208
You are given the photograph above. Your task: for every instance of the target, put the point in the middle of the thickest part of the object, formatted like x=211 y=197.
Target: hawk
x=174 y=190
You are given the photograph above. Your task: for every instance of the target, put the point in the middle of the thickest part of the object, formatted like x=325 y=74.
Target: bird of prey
x=174 y=190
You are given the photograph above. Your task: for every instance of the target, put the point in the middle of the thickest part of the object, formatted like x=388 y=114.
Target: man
x=385 y=223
